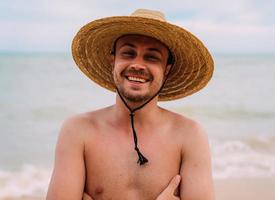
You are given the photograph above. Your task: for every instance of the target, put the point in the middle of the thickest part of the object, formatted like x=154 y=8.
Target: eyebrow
x=127 y=44
x=156 y=50
x=150 y=49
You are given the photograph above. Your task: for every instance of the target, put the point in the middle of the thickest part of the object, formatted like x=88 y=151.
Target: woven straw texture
x=193 y=64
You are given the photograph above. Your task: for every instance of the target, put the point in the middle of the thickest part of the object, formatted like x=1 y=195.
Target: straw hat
x=193 y=65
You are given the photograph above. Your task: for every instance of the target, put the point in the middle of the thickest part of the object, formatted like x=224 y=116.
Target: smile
x=136 y=79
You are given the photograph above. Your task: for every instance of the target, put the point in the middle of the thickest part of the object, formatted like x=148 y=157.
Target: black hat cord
x=141 y=158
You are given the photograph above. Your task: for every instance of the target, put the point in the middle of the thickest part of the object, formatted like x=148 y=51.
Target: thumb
x=174 y=183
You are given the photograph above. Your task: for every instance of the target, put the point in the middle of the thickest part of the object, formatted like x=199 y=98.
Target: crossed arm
x=166 y=194
x=68 y=178
x=196 y=172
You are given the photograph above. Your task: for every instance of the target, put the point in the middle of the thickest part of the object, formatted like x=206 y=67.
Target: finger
x=86 y=197
x=174 y=183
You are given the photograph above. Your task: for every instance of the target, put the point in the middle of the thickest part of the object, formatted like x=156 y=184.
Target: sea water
x=39 y=91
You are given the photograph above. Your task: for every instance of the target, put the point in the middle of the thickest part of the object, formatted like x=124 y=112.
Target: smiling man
x=138 y=83
x=135 y=149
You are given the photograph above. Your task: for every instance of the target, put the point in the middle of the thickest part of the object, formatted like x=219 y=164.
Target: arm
x=68 y=178
x=197 y=183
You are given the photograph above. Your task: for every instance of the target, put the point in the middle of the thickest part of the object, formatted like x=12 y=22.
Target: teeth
x=131 y=78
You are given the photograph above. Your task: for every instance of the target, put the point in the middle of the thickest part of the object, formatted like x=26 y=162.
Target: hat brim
x=193 y=65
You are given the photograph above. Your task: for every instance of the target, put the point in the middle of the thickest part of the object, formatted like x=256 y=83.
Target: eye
x=128 y=53
x=152 y=58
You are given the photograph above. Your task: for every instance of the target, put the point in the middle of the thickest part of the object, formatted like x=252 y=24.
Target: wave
x=28 y=181
x=253 y=157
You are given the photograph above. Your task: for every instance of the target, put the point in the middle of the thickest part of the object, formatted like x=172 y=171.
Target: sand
x=245 y=189
x=227 y=189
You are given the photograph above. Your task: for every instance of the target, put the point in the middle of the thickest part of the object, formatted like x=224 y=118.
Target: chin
x=137 y=98
x=134 y=97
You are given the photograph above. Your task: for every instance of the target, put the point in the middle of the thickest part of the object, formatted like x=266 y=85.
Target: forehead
x=136 y=40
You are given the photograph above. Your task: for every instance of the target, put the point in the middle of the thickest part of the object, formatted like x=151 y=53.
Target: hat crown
x=152 y=14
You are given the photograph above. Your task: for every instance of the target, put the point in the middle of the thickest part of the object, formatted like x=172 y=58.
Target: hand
x=86 y=197
x=169 y=192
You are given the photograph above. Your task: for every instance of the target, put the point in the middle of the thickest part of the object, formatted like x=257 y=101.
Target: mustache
x=142 y=73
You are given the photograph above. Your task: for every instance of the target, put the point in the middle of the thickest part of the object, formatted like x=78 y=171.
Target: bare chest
x=112 y=171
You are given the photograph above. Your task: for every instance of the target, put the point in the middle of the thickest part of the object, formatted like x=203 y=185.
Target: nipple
x=99 y=190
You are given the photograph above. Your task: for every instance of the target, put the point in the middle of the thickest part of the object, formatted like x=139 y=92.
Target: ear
x=167 y=70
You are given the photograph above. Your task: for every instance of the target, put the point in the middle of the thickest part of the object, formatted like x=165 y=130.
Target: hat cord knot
x=141 y=158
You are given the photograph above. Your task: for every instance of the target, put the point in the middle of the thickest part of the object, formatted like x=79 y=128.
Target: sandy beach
x=245 y=189
x=227 y=189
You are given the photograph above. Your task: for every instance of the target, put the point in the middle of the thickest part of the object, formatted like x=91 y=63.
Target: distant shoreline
x=68 y=53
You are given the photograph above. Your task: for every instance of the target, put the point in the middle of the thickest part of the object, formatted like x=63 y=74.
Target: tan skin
x=95 y=150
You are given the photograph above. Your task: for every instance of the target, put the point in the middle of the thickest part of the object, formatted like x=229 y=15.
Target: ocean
x=39 y=90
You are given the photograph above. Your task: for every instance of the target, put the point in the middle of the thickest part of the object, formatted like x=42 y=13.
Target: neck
x=146 y=113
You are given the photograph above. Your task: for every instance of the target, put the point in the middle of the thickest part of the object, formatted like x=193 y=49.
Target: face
x=140 y=64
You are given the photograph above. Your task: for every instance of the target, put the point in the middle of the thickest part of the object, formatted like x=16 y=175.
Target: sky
x=224 y=26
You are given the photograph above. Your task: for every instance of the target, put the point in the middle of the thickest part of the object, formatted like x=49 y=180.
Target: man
x=135 y=149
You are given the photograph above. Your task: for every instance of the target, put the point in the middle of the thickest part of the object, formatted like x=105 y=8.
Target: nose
x=137 y=66
x=138 y=63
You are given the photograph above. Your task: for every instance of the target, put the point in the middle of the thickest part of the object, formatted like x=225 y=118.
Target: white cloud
x=231 y=37
x=236 y=25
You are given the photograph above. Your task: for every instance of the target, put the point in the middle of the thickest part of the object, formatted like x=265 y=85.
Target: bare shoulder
x=82 y=118
x=68 y=178
x=83 y=122
x=187 y=129
x=190 y=134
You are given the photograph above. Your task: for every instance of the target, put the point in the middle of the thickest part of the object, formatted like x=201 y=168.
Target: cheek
x=116 y=66
x=159 y=76
x=158 y=71
x=117 y=71
x=119 y=65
